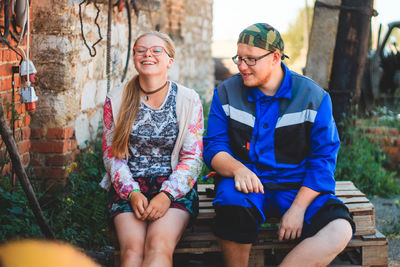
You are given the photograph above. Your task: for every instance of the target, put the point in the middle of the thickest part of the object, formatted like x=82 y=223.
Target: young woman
x=152 y=151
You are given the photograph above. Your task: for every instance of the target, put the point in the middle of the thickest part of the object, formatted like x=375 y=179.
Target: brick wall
x=389 y=140
x=14 y=110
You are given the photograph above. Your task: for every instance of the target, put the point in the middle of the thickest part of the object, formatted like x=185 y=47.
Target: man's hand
x=291 y=223
x=247 y=182
x=157 y=208
x=139 y=204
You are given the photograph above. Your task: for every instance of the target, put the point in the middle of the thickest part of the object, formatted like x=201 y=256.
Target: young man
x=272 y=139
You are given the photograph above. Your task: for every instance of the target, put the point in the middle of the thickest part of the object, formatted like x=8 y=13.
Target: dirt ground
x=387 y=219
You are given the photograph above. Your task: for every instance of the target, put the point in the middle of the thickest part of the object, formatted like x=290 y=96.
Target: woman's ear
x=170 y=62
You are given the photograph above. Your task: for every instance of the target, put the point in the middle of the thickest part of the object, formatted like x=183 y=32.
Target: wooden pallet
x=367 y=248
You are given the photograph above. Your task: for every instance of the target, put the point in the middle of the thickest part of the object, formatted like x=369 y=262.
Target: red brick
x=5 y=69
x=75 y=153
x=50 y=147
x=36 y=133
x=25 y=159
x=391 y=150
x=5 y=97
x=5 y=83
x=27 y=120
x=37 y=159
x=25 y=133
x=375 y=130
x=60 y=133
x=393 y=131
x=51 y=173
x=24 y=146
x=6 y=169
x=73 y=144
x=59 y=160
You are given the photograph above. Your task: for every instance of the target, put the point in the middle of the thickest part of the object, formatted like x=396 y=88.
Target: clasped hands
x=291 y=223
x=153 y=210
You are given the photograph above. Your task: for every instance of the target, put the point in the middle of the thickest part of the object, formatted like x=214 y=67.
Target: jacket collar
x=284 y=91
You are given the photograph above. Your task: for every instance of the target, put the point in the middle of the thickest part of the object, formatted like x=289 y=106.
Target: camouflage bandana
x=264 y=36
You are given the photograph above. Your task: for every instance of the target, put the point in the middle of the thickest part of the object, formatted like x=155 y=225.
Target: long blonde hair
x=131 y=102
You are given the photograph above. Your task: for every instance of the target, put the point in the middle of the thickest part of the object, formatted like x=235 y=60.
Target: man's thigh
x=238 y=215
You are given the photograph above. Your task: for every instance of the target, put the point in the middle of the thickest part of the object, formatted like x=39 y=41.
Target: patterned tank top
x=153 y=138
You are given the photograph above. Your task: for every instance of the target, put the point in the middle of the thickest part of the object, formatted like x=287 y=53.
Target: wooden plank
x=360 y=207
x=365 y=225
x=350 y=193
x=374 y=256
x=256 y=258
x=351 y=200
x=345 y=187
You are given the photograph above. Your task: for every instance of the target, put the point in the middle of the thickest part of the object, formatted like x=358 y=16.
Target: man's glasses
x=154 y=50
x=250 y=61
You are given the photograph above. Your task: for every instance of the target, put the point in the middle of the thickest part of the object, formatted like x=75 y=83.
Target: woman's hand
x=157 y=208
x=139 y=204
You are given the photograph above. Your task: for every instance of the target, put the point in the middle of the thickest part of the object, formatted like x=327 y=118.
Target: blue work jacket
x=288 y=138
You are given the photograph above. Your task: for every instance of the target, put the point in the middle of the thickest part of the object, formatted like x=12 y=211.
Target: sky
x=232 y=16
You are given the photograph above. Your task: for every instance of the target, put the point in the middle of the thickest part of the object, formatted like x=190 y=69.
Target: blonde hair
x=131 y=102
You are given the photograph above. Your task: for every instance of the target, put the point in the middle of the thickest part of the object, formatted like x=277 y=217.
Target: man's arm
x=218 y=153
x=245 y=180
x=292 y=221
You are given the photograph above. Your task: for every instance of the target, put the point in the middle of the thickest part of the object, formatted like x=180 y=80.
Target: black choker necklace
x=146 y=97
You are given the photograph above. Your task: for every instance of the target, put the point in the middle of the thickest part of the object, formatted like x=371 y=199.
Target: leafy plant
x=82 y=208
x=16 y=217
x=361 y=161
x=77 y=214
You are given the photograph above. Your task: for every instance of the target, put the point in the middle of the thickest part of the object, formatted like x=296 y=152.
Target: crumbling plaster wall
x=73 y=85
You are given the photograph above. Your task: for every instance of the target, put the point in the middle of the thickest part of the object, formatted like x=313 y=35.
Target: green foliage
x=383 y=116
x=392 y=227
x=361 y=161
x=77 y=214
x=16 y=217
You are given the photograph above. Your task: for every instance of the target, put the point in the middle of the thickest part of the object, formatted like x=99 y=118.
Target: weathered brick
x=5 y=69
x=27 y=120
x=36 y=133
x=24 y=146
x=393 y=131
x=60 y=133
x=73 y=144
x=391 y=150
x=59 y=160
x=25 y=158
x=50 y=173
x=50 y=147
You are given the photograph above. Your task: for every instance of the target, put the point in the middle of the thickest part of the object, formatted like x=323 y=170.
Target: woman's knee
x=131 y=254
x=159 y=244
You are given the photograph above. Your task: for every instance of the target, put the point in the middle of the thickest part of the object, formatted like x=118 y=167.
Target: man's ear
x=277 y=56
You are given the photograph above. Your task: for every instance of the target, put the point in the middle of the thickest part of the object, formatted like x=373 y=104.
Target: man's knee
x=236 y=223
x=340 y=232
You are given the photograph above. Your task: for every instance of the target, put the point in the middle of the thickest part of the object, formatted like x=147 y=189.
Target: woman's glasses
x=154 y=50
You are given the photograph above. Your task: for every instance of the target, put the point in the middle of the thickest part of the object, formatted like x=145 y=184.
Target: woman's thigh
x=165 y=232
x=131 y=232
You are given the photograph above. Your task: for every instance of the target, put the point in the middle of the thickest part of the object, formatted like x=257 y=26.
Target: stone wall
x=73 y=85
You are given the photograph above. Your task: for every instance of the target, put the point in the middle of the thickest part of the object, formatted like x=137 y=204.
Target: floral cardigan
x=183 y=177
